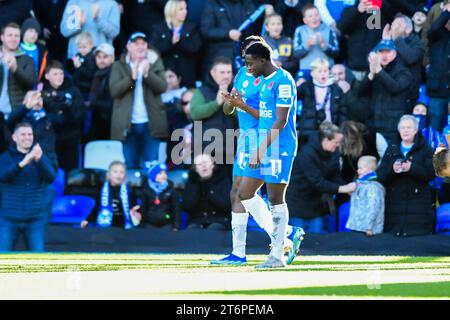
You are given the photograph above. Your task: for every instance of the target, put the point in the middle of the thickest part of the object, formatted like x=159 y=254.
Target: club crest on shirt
x=245 y=84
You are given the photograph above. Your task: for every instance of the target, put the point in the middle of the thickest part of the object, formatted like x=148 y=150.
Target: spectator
x=356 y=106
x=30 y=31
x=178 y=41
x=136 y=83
x=116 y=205
x=64 y=101
x=419 y=19
x=438 y=75
x=161 y=202
x=314 y=40
x=291 y=11
x=367 y=202
x=142 y=15
x=331 y=10
x=17 y=74
x=406 y=170
x=207 y=102
x=321 y=100
x=281 y=45
x=432 y=136
x=434 y=13
x=360 y=38
x=387 y=86
x=50 y=13
x=100 y=19
x=315 y=175
x=14 y=11
x=34 y=113
x=203 y=197
x=100 y=100
x=83 y=62
x=219 y=27
x=26 y=175
x=359 y=141
x=174 y=89
x=5 y=136
x=410 y=51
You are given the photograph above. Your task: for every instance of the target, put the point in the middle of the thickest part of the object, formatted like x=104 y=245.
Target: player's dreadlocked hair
x=441 y=161
x=250 y=39
x=260 y=50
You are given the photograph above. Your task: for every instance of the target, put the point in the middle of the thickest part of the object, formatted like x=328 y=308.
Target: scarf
x=105 y=215
x=157 y=187
x=368 y=177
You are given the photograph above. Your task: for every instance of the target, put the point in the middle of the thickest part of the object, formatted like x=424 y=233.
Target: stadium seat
x=443 y=218
x=85 y=182
x=344 y=211
x=71 y=209
x=59 y=183
x=99 y=154
x=178 y=178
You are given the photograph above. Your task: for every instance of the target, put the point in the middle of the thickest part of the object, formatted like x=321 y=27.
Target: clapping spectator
x=178 y=41
x=101 y=19
x=387 y=86
x=406 y=170
x=17 y=74
x=136 y=83
x=25 y=173
x=314 y=40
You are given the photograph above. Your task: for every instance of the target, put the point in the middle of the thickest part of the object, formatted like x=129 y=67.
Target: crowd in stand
x=373 y=87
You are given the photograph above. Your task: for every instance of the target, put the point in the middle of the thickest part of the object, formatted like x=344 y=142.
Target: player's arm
x=234 y=100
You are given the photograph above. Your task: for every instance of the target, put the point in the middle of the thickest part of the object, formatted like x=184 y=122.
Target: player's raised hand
x=233 y=98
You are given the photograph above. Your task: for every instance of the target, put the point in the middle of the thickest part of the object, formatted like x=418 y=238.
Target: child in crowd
x=321 y=100
x=281 y=45
x=419 y=19
x=433 y=137
x=313 y=40
x=30 y=31
x=116 y=204
x=84 y=64
x=367 y=202
x=160 y=200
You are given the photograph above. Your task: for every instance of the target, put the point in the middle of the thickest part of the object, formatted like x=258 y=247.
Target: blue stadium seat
x=59 y=183
x=344 y=211
x=443 y=218
x=71 y=209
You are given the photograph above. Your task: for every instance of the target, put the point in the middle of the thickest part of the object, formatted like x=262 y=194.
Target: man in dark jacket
x=136 y=83
x=219 y=27
x=406 y=171
x=17 y=72
x=26 y=175
x=411 y=51
x=63 y=101
x=354 y=24
x=438 y=75
x=206 y=106
x=100 y=100
x=387 y=86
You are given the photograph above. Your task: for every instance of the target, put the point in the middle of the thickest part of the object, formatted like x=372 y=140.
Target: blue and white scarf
x=105 y=216
x=157 y=187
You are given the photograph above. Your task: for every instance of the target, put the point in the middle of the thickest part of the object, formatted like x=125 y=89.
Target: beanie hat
x=154 y=169
x=30 y=23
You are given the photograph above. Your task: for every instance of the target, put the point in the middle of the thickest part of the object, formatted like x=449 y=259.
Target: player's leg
x=254 y=204
x=239 y=219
